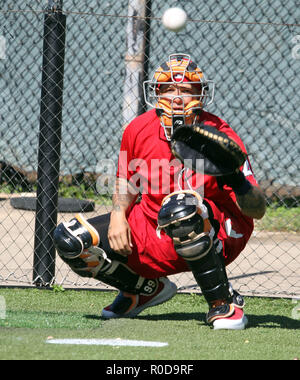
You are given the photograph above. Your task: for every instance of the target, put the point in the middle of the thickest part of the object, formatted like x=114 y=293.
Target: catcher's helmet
x=178 y=69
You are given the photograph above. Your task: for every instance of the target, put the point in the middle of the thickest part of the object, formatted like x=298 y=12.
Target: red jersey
x=147 y=162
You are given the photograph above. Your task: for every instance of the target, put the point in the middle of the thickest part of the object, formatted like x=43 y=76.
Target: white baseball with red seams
x=174 y=19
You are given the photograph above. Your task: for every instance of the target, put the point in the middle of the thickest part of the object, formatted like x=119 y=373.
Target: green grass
x=32 y=316
x=280 y=219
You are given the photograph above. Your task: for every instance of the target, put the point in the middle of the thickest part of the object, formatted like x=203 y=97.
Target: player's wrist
x=238 y=182
x=243 y=189
x=118 y=213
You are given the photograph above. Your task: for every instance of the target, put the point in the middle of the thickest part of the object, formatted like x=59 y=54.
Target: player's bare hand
x=119 y=234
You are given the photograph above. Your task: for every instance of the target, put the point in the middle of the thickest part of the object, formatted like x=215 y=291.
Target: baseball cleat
x=228 y=316
x=128 y=305
x=237 y=321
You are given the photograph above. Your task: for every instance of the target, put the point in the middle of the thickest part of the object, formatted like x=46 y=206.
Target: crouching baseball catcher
x=171 y=229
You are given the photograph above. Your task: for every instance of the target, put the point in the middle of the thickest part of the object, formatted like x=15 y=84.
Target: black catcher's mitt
x=221 y=155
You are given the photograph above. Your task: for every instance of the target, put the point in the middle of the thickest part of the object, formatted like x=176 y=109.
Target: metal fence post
x=138 y=34
x=49 y=143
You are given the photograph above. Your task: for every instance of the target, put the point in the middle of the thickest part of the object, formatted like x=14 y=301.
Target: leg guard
x=184 y=218
x=77 y=244
x=95 y=263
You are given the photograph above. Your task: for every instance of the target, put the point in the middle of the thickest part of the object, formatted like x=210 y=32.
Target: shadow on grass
x=160 y=317
x=255 y=321
x=273 y=321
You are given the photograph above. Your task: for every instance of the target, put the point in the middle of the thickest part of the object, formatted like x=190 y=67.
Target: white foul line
x=107 y=342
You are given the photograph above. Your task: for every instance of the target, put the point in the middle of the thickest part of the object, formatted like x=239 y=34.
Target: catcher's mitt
x=221 y=155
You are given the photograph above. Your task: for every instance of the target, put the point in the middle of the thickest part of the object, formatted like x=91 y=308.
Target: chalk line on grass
x=108 y=342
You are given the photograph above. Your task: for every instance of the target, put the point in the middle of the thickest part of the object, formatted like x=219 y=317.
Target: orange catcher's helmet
x=178 y=69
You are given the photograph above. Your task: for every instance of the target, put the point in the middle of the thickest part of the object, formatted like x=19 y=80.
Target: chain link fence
x=252 y=52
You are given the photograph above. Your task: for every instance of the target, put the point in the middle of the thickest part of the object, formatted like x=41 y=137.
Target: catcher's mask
x=179 y=69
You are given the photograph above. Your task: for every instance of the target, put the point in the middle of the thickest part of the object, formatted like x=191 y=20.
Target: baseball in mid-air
x=174 y=19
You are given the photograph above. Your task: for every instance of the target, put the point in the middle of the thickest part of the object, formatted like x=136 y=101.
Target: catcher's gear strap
x=221 y=155
x=95 y=263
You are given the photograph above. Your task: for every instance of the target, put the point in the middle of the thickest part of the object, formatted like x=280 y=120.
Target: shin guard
x=184 y=218
x=77 y=244
x=94 y=263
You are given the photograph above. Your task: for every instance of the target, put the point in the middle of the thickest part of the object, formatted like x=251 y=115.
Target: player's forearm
x=253 y=203
x=123 y=197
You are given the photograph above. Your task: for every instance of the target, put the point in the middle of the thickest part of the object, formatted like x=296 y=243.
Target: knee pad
x=70 y=239
x=184 y=218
